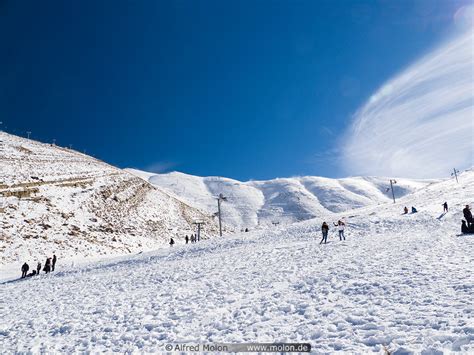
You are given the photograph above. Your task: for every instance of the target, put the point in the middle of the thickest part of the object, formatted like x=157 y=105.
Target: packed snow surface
x=400 y=281
x=280 y=201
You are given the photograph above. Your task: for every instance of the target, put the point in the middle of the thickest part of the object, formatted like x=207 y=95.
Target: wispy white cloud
x=420 y=123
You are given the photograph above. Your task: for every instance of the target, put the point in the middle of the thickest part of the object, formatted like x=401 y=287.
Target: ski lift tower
x=198 y=223
x=455 y=174
x=219 y=199
x=392 y=182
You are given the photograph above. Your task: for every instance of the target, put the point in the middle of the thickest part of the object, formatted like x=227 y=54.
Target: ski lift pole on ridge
x=455 y=174
x=392 y=182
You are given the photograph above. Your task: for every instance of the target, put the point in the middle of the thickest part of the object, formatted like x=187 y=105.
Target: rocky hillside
x=54 y=199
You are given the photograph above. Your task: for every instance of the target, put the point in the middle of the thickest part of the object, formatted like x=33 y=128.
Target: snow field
x=405 y=288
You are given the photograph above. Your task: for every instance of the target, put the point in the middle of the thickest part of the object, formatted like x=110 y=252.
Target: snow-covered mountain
x=282 y=201
x=54 y=199
x=400 y=283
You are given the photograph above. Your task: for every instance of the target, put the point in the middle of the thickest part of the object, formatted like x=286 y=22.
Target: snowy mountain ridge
x=280 y=201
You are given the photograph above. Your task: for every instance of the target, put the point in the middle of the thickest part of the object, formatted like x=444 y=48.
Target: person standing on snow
x=445 y=207
x=38 y=268
x=186 y=239
x=325 y=231
x=464 y=228
x=54 y=262
x=24 y=270
x=171 y=242
x=467 y=215
x=340 y=227
x=47 y=265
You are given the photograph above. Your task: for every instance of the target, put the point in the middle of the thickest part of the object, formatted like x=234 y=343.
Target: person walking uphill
x=24 y=270
x=325 y=231
x=47 y=265
x=54 y=262
x=445 y=207
x=340 y=227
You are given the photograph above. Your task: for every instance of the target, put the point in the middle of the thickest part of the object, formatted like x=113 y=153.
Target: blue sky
x=244 y=89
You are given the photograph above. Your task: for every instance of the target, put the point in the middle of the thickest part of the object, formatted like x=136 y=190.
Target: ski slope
x=54 y=199
x=284 y=201
x=403 y=282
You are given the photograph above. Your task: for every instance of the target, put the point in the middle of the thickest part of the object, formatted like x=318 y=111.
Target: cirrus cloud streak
x=420 y=123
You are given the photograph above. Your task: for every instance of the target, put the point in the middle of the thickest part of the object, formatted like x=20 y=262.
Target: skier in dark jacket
x=325 y=231
x=445 y=207
x=38 y=268
x=186 y=239
x=47 y=265
x=467 y=215
x=24 y=270
x=171 y=242
x=413 y=210
x=54 y=262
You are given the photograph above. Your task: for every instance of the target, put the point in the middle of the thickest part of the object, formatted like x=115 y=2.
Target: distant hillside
x=260 y=203
x=56 y=199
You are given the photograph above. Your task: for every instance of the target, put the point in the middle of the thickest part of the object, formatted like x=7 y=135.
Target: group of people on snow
x=49 y=266
x=194 y=238
x=325 y=231
x=413 y=210
x=467 y=226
